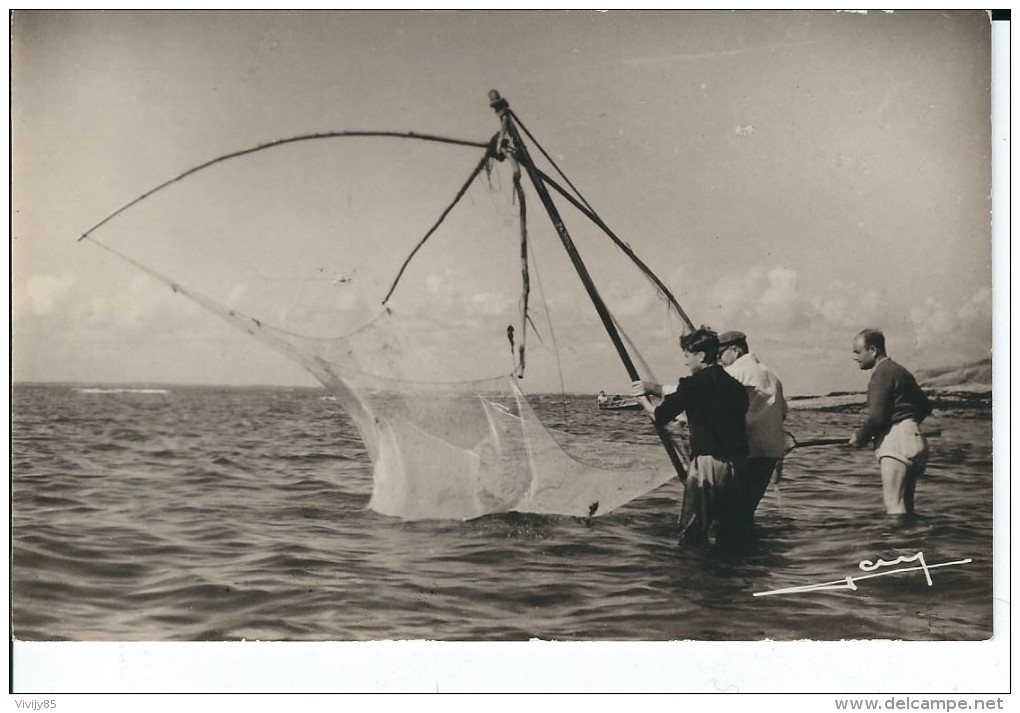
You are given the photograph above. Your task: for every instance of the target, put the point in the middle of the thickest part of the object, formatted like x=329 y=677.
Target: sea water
x=200 y=513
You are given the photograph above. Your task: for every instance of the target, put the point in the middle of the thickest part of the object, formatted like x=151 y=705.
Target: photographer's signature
x=850 y=581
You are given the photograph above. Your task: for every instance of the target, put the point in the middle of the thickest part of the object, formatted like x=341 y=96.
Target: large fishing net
x=471 y=378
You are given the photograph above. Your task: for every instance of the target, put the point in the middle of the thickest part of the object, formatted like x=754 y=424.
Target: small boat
x=617 y=403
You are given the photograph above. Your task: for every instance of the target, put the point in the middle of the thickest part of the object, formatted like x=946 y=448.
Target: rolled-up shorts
x=905 y=443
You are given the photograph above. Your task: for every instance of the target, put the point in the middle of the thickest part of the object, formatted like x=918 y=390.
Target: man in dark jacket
x=715 y=404
x=896 y=408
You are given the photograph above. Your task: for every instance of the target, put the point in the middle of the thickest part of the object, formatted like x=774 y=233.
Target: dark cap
x=727 y=338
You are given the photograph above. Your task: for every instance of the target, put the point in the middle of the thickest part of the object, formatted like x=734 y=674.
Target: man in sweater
x=766 y=437
x=896 y=408
x=715 y=404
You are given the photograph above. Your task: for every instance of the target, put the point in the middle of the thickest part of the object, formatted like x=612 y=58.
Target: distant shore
x=967 y=401
x=971 y=401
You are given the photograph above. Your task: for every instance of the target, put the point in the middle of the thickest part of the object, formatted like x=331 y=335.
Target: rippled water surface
x=191 y=513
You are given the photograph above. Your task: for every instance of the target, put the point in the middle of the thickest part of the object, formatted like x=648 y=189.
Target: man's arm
x=879 y=409
x=923 y=404
x=672 y=406
x=641 y=388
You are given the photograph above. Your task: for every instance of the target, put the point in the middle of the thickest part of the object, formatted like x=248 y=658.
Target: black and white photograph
x=506 y=351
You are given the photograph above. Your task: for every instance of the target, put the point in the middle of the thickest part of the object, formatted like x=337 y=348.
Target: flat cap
x=727 y=338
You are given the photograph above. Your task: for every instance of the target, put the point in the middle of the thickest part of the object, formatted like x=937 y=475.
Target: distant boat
x=617 y=403
x=95 y=390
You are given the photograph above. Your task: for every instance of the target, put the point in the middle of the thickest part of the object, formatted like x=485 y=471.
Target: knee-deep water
x=206 y=513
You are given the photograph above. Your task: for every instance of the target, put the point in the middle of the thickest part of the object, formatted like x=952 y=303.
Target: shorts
x=903 y=442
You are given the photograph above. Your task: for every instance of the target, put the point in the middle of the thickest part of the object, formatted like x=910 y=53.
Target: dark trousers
x=707 y=497
x=724 y=494
x=751 y=480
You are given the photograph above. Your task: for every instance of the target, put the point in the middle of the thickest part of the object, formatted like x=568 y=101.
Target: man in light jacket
x=766 y=437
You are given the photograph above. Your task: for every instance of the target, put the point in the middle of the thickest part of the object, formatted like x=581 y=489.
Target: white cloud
x=979 y=306
x=938 y=325
x=731 y=296
x=760 y=297
x=831 y=309
x=779 y=301
x=144 y=308
x=836 y=310
x=43 y=293
x=438 y=284
x=771 y=305
x=490 y=304
x=931 y=319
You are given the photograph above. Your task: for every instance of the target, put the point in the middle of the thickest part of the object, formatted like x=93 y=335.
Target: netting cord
x=456 y=199
x=281 y=142
x=552 y=334
x=510 y=338
x=525 y=279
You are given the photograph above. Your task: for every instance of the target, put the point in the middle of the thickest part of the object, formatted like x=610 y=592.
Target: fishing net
x=471 y=378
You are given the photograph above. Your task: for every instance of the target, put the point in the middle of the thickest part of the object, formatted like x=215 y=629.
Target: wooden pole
x=502 y=108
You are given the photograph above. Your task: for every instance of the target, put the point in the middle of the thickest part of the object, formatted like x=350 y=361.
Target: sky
x=795 y=175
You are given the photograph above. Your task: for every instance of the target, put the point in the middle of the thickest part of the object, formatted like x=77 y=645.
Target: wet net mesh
x=455 y=425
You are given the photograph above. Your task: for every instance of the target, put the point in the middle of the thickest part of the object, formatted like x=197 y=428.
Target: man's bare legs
x=898 y=483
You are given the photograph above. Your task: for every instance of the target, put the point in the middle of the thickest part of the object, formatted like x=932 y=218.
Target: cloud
x=936 y=325
x=144 y=306
x=835 y=310
x=979 y=306
x=773 y=307
x=439 y=283
x=931 y=319
x=773 y=299
x=760 y=296
x=42 y=294
x=490 y=304
x=780 y=300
